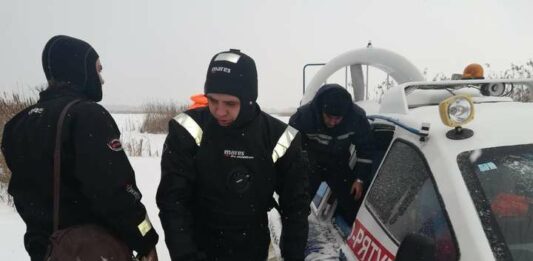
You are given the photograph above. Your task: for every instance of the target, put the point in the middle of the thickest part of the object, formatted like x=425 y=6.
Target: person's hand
x=152 y=256
x=357 y=189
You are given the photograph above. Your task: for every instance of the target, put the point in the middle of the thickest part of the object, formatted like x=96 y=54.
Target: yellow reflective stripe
x=145 y=226
x=284 y=143
x=191 y=126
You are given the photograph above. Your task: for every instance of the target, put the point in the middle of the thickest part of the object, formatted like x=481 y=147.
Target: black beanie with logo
x=335 y=101
x=72 y=61
x=233 y=72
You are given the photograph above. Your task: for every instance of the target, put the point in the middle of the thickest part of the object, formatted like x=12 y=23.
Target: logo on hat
x=220 y=69
x=232 y=73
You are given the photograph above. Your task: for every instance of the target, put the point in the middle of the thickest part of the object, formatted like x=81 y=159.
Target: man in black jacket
x=220 y=167
x=97 y=181
x=337 y=137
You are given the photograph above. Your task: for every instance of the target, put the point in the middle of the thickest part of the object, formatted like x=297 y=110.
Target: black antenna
x=369 y=45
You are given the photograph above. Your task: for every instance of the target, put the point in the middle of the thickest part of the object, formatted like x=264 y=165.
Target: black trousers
x=225 y=242
x=340 y=182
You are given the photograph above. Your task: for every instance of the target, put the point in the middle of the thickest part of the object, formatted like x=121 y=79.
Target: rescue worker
x=337 y=137
x=97 y=181
x=220 y=167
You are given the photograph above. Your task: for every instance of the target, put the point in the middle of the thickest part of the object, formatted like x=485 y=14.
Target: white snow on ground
x=11 y=234
x=134 y=142
x=129 y=122
x=147 y=171
x=322 y=243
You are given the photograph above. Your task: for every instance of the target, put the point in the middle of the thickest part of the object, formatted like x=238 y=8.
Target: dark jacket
x=217 y=185
x=97 y=180
x=330 y=149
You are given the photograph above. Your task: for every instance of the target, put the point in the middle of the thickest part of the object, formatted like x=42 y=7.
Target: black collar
x=58 y=92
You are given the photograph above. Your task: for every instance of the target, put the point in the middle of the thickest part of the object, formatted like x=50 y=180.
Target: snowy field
x=147 y=171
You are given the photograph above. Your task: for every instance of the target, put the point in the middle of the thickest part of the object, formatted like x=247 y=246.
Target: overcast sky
x=159 y=50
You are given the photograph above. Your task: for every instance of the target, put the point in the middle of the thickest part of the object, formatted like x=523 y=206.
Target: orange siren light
x=473 y=71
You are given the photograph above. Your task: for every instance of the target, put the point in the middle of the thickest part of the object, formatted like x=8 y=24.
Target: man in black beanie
x=221 y=165
x=97 y=181
x=337 y=137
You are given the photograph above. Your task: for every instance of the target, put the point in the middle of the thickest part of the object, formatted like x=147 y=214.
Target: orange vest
x=199 y=100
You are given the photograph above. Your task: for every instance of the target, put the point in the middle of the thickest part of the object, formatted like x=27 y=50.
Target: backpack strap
x=57 y=161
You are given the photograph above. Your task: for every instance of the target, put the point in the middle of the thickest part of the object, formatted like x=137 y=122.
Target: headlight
x=456 y=111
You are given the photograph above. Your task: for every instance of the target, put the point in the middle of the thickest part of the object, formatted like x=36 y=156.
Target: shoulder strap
x=57 y=161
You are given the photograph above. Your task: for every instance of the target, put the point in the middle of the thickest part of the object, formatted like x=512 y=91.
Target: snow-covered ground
x=134 y=142
x=11 y=236
x=147 y=170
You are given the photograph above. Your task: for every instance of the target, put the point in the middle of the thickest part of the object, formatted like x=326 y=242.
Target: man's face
x=99 y=70
x=224 y=107
x=330 y=120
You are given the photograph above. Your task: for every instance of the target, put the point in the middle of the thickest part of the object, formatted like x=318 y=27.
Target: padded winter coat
x=97 y=181
x=217 y=185
x=348 y=146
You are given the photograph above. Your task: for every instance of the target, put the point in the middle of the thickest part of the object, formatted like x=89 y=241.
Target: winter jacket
x=348 y=146
x=217 y=185
x=97 y=181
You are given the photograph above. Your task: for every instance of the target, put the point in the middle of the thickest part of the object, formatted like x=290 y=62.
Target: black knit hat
x=73 y=62
x=335 y=101
x=234 y=73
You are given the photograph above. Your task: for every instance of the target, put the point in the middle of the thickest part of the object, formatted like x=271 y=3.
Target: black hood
x=331 y=92
x=70 y=61
x=332 y=99
x=233 y=72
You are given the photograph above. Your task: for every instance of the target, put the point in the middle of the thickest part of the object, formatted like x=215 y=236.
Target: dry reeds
x=137 y=147
x=158 y=114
